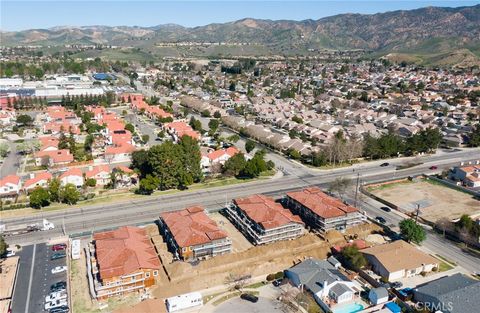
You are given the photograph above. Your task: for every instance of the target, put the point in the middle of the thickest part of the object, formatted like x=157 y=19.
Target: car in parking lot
x=59 y=269
x=396 y=284
x=59 y=247
x=58 y=286
x=58 y=255
x=277 y=282
x=54 y=296
x=249 y=297
x=60 y=309
x=55 y=304
x=384 y=164
x=380 y=219
x=386 y=208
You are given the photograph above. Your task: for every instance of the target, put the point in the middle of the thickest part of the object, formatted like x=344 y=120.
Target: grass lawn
x=445 y=259
x=444 y=267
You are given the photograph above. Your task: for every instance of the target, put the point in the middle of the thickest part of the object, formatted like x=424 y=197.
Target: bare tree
x=339 y=186
x=444 y=224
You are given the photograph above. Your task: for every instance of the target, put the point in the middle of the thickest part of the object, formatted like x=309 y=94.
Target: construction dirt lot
x=435 y=200
x=182 y=277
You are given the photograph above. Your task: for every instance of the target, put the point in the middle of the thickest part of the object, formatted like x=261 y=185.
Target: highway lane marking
x=27 y=304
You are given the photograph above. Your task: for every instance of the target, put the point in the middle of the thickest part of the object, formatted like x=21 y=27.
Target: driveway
x=237 y=305
x=11 y=163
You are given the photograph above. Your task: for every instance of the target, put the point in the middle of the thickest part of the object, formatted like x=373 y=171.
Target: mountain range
x=431 y=31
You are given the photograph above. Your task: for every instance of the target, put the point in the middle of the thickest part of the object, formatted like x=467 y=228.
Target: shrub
x=270 y=277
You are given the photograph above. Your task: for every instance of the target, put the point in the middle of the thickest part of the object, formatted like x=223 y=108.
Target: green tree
x=54 y=189
x=205 y=113
x=196 y=124
x=352 y=258
x=130 y=128
x=140 y=162
x=166 y=163
x=69 y=194
x=191 y=156
x=213 y=124
x=234 y=165
x=148 y=185
x=63 y=142
x=411 y=231
x=90 y=182
x=217 y=115
x=24 y=120
x=474 y=137
x=249 y=145
x=39 y=198
x=4 y=148
x=145 y=138
x=233 y=138
x=294 y=154
x=3 y=245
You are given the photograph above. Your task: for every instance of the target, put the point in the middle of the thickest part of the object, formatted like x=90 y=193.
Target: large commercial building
x=191 y=234
x=323 y=212
x=264 y=221
x=122 y=261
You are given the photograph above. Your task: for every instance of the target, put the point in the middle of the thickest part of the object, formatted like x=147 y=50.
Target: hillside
x=423 y=32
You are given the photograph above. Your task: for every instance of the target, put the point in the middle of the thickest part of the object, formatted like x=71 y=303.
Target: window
x=155 y=273
x=147 y=274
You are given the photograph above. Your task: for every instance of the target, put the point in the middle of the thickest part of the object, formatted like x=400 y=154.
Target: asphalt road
x=35 y=278
x=98 y=217
x=11 y=163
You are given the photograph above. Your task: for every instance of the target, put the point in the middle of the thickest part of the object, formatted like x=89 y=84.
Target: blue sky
x=20 y=15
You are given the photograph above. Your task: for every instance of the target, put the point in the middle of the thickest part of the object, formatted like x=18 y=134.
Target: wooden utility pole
x=356 y=189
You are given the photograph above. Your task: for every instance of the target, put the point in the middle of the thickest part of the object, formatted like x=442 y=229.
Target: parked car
x=434 y=167
x=249 y=297
x=384 y=164
x=58 y=269
x=59 y=295
x=380 y=219
x=55 y=304
x=59 y=247
x=8 y=253
x=386 y=208
x=59 y=286
x=396 y=284
x=58 y=255
x=277 y=282
x=60 y=309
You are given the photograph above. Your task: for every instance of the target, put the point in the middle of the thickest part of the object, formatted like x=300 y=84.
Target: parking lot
x=35 y=278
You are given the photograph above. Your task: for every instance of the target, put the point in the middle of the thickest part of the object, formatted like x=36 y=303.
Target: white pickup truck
x=54 y=304
x=54 y=296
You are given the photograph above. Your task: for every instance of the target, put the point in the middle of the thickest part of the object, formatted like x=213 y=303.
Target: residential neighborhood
x=245 y=157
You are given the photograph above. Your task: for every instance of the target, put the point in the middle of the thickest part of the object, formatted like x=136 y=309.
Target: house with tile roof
x=72 y=176
x=54 y=157
x=468 y=175
x=263 y=221
x=399 y=259
x=178 y=129
x=37 y=180
x=321 y=211
x=10 y=186
x=191 y=234
x=216 y=157
x=100 y=173
x=122 y=261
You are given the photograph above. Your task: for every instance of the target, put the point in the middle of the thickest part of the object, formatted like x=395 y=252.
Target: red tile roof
x=266 y=212
x=10 y=179
x=72 y=172
x=35 y=180
x=124 y=251
x=57 y=156
x=320 y=203
x=219 y=153
x=124 y=148
x=191 y=227
x=97 y=170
